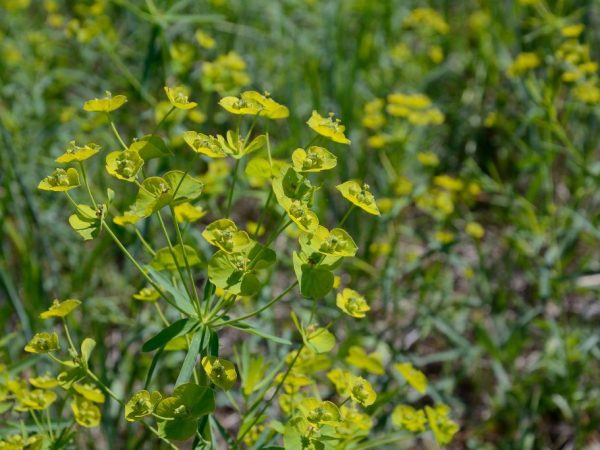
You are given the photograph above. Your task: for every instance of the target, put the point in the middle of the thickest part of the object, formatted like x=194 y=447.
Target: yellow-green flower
x=302 y=216
x=106 y=104
x=255 y=103
x=405 y=416
x=60 y=309
x=361 y=391
x=60 y=180
x=315 y=159
x=124 y=165
x=224 y=234
x=475 y=230
x=372 y=362
x=186 y=212
x=37 y=399
x=178 y=96
x=43 y=343
x=76 y=152
x=352 y=303
x=147 y=294
x=142 y=404
x=89 y=392
x=328 y=127
x=204 y=144
x=320 y=412
x=220 y=371
x=86 y=413
x=523 y=63
x=442 y=426
x=359 y=196
x=45 y=381
x=414 y=377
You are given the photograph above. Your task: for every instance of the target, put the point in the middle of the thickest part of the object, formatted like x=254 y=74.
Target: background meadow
x=475 y=124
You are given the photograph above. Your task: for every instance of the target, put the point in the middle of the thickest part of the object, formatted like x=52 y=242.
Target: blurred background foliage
x=483 y=270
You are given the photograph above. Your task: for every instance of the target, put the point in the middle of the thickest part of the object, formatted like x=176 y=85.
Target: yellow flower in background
x=328 y=127
x=523 y=63
x=372 y=362
x=226 y=75
x=475 y=230
x=204 y=40
x=373 y=117
x=413 y=376
x=416 y=108
x=442 y=426
x=106 y=104
x=352 y=303
x=572 y=31
x=186 y=212
x=178 y=97
x=60 y=309
x=444 y=237
x=420 y=18
x=147 y=294
x=405 y=416
x=428 y=159
x=448 y=182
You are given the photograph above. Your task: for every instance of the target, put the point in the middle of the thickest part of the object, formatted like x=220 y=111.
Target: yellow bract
x=86 y=413
x=43 y=343
x=372 y=363
x=442 y=426
x=255 y=103
x=178 y=96
x=315 y=159
x=361 y=391
x=46 y=381
x=37 y=400
x=106 y=104
x=75 y=152
x=333 y=129
x=60 y=309
x=89 y=392
x=60 y=180
x=523 y=63
x=359 y=196
x=352 y=303
x=204 y=144
x=475 y=230
x=124 y=165
x=220 y=371
x=405 y=416
x=186 y=212
x=414 y=377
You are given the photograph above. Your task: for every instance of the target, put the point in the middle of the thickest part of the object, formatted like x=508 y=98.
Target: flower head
x=106 y=104
x=60 y=180
x=328 y=127
x=60 y=309
x=178 y=96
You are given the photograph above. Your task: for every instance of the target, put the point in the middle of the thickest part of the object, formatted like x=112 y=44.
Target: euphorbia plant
x=197 y=296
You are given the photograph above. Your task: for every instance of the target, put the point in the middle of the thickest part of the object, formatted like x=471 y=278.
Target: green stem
x=261 y=309
x=263 y=214
x=174 y=256
x=69 y=340
x=87 y=185
x=232 y=188
x=142 y=271
x=116 y=132
x=147 y=246
x=157 y=127
x=264 y=408
x=341 y=223
x=185 y=258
